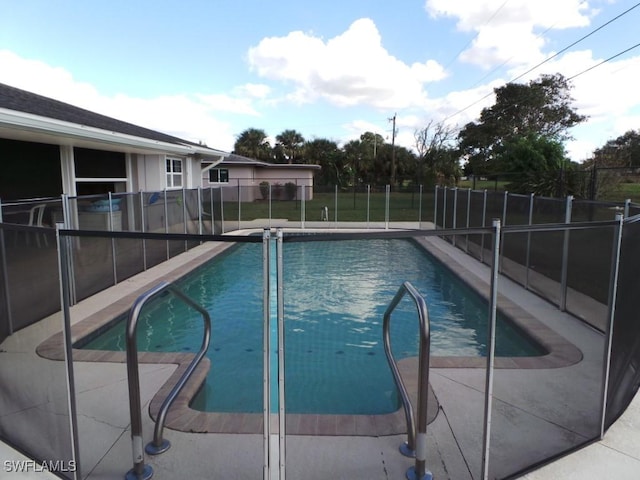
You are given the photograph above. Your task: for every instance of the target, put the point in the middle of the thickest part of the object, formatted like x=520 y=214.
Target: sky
x=207 y=70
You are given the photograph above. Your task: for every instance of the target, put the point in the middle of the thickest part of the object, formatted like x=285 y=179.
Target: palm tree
x=290 y=144
x=253 y=143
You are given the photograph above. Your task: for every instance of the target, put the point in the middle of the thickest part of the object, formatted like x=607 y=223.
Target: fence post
x=444 y=208
x=335 y=213
x=211 y=205
x=368 y=203
x=144 y=241
x=270 y=204
x=613 y=293
x=67 y=294
x=239 y=204
x=266 y=351
x=466 y=245
x=565 y=256
x=113 y=241
x=455 y=214
x=528 y=257
x=627 y=205
x=420 y=209
x=484 y=222
x=222 y=209
x=435 y=208
x=386 y=206
x=302 y=207
x=166 y=219
x=491 y=347
x=5 y=277
x=505 y=201
x=199 y=210
x=70 y=223
x=184 y=216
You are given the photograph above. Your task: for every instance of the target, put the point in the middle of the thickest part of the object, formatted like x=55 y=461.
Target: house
x=250 y=179
x=49 y=148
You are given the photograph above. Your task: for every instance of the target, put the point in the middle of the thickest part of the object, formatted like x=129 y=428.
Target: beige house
x=250 y=180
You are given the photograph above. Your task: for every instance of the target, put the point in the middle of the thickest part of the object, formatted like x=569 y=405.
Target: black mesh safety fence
x=555 y=397
x=514 y=247
x=448 y=212
x=589 y=273
x=624 y=378
x=208 y=211
x=440 y=207
x=495 y=206
x=26 y=255
x=592 y=211
x=338 y=381
x=548 y=210
x=169 y=325
x=175 y=211
x=34 y=396
x=462 y=203
x=477 y=218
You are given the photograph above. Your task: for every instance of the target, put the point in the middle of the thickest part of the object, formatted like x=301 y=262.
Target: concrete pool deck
x=106 y=448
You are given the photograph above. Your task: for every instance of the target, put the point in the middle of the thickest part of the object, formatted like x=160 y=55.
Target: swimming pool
x=335 y=295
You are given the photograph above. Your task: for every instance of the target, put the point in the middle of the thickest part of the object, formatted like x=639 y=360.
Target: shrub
x=290 y=190
x=264 y=190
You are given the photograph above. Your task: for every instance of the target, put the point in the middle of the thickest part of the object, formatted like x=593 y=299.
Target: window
x=219 y=175
x=174 y=173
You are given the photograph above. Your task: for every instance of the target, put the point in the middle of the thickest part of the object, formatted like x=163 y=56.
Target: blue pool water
x=335 y=296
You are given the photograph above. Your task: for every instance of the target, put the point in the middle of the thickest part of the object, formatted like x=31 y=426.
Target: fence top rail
x=159 y=236
x=29 y=201
x=632 y=219
x=550 y=227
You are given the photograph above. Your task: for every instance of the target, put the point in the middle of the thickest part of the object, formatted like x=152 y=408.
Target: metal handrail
x=416 y=444
x=141 y=471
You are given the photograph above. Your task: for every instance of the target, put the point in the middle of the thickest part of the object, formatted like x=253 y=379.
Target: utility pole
x=393 y=150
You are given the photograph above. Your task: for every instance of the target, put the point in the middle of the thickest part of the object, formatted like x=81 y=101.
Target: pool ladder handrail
x=159 y=445
x=416 y=444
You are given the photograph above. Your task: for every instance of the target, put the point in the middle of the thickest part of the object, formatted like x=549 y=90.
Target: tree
x=328 y=155
x=611 y=164
x=536 y=164
x=542 y=108
x=437 y=159
x=623 y=151
x=289 y=146
x=354 y=151
x=253 y=143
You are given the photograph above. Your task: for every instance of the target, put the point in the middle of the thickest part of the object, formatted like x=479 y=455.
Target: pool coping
x=183 y=418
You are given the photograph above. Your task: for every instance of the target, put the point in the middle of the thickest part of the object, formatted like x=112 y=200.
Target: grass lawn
x=622 y=192
x=403 y=207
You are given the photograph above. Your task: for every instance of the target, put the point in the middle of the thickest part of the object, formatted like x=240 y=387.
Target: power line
x=575 y=43
x=604 y=61
x=552 y=57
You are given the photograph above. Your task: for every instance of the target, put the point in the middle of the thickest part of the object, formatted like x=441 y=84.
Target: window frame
x=174 y=176
x=218 y=176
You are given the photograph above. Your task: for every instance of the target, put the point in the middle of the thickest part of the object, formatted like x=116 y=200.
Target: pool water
x=335 y=296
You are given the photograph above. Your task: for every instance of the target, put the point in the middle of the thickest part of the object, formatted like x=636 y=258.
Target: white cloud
x=509 y=32
x=253 y=90
x=183 y=116
x=350 y=69
x=357 y=127
x=225 y=103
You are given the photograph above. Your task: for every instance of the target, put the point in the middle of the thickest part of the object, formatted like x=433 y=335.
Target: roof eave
x=38 y=124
